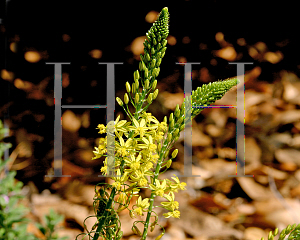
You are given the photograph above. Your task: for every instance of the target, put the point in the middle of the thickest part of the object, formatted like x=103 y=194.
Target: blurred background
x=212 y=32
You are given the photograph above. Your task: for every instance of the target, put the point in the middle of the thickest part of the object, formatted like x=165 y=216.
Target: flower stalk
x=142 y=146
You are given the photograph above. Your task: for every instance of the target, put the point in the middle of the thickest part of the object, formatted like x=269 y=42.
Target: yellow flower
x=120 y=126
x=174 y=214
x=139 y=127
x=139 y=177
x=177 y=185
x=119 y=180
x=158 y=188
x=148 y=144
x=162 y=127
x=149 y=118
x=172 y=204
x=102 y=128
x=141 y=206
x=133 y=162
x=159 y=136
x=122 y=148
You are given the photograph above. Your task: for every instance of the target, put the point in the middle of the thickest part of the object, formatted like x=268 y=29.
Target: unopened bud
x=136 y=75
x=136 y=98
x=142 y=65
x=159 y=147
x=155 y=94
x=174 y=153
x=154 y=41
x=169 y=163
x=164 y=42
x=154 y=84
x=133 y=88
x=153 y=62
x=137 y=84
x=126 y=98
x=171 y=118
x=148 y=57
x=146 y=72
x=128 y=87
x=158 y=47
x=169 y=137
x=160 y=236
x=177 y=111
x=147 y=83
x=158 y=62
x=149 y=99
x=176 y=132
x=167 y=152
x=165 y=119
x=152 y=51
x=120 y=102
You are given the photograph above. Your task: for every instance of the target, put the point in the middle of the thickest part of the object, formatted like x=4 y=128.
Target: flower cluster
x=141 y=146
x=137 y=150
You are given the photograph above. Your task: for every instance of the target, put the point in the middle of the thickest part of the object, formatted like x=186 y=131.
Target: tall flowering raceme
x=142 y=145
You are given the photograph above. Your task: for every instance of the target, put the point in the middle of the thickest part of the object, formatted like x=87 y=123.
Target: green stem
x=158 y=166
x=104 y=216
x=113 y=192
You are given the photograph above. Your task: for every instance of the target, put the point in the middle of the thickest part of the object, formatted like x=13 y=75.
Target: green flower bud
x=136 y=98
x=142 y=65
x=126 y=98
x=148 y=57
x=158 y=62
x=152 y=65
x=181 y=128
x=155 y=72
x=154 y=41
x=171 y=125
x=169 y=137
x=137 y=84
x=128 y=87
x=176 y=132
x=276 y=232
x=136 y=75
x=146 y=72
x=152 y=51
x=169 y=163
x=120 y=102
x=149 y=99
x=133 y=88
x=180 y=120
x=147 y=83
x=159 y=147
x=177 y=111
x=171 y=118
x=159 y=38
x=182 y=111
x=155 y=94
x=174 y=153
x=167 y=152
x=154 y=84
x=158 y=47
x=165 y=119
x=164 y=42
x=176 y=138
x=158 y=55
